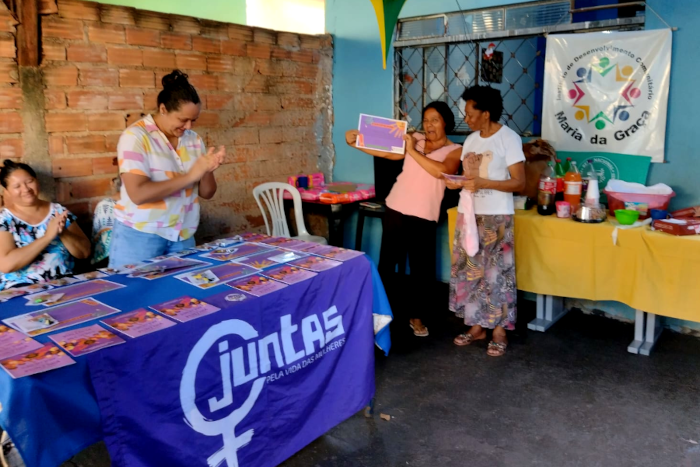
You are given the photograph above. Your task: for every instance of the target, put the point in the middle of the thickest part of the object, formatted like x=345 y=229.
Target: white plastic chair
x=272 y=194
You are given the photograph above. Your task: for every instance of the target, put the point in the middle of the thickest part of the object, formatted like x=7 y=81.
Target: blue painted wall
x=361 y=85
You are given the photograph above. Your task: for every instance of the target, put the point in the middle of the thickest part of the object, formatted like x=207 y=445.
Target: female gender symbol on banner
x=224 y=427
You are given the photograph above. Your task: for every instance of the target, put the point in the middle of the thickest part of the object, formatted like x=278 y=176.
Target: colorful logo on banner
x=607 y=92
x=266 y=359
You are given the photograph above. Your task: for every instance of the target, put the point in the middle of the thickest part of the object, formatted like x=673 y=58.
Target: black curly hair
x=177 y=90
x=486 y=99
x=10 y=166
x=445 y=112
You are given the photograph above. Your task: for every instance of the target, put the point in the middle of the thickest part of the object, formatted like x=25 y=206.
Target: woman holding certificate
x=413 y=206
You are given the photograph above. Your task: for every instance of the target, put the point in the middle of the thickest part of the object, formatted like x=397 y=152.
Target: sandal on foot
x=421 y=333
x=496 y=349
x=465 y=339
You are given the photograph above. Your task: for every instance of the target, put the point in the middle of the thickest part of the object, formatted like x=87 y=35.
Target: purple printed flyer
x=45 y=358
x=138 y=323
x=316 y=263
x=166 y=267
x=283 y=242
x=212 y=277
x=257 y=285
x=270 y=258
x=233 y=252
x=337 y=253
x=382 y=134
x=85 y=340
x=185 y=309
x=290 y=274
x=12 y=342
x=83 y=289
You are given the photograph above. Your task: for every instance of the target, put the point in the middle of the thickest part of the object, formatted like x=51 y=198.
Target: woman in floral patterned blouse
x=38 y=239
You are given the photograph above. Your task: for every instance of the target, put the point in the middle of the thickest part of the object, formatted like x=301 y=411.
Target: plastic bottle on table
x=587 y=173
x=590 y=184
x=567 y=165
x=572 y=187
x=547 y=191
x=560 y=173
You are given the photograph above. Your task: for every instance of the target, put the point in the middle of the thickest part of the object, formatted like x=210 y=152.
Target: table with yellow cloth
x=652 y=272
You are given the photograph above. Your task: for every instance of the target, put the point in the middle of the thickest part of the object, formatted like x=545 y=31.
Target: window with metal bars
x=437 y=57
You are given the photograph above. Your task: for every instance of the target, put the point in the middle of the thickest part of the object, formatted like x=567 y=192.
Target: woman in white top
x=482 y=287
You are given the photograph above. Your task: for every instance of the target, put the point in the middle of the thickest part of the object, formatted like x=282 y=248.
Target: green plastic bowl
x=626 y=216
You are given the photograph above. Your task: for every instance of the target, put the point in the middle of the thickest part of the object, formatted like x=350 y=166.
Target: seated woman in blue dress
x=38 y=239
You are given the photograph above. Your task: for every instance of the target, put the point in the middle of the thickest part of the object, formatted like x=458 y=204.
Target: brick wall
x=265 y=96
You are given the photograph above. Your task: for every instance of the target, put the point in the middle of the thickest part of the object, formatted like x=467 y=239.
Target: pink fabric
x=416 y=192
x=470 y=235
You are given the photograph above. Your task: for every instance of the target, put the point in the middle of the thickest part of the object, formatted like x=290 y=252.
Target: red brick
x=267 y=102
x=159 y=59
x=12 y=148
x=78 y=9
x=81 y=209
x=104 y=77
x=257 y=83
x=176 y=41
x=88 y=100
x=245 y=136
x=296 y=102
x=7 y=46
x=133 y=118
x=219 y=101
x=126 y=101
x=267 y=67
x=220 y=64
x=8 y=71
x=51 y=51
x=90 y=188
x=304 y=56
x=11 y=122
x=136 y=36
x=233 y=47
x=191 y=61
x=110 y=121
x=8 y=22
x=206 y=45
x=281 y=54
x=271 y=135
x=56 y=145
x=61 y=76
x=10 y=98
x=258 y=50
x=61 y=28
x=293 y=135
x=213 y=29
x=293 y=86
x=48 y=7
x=136 y=79
x=152 y=20
x=243 y=66
x=87 y=53
x=124 y=56
x=62 y=121
x=204 y=82
x=69 y=167
x=256 y=119
x=208 y=120
x=104 y=165
x=117 y=15
x=185 y=24
x=85 y=144
x=54 y=100
x=288 y=39
x=150 y=100
x=111 y=142
x=112 y=33
x=240 y=33
x=63 y=194
x=233 y=84
x=311 y=42
x=264 y=36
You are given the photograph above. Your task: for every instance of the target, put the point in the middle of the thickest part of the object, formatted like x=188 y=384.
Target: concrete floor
x=570 y=397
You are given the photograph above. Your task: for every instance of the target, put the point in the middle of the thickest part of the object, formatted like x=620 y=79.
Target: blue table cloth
x=53 y=416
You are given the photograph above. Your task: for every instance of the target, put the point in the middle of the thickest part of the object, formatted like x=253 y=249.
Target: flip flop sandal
x=464 y=339
x=496 y=349
x=423 y=333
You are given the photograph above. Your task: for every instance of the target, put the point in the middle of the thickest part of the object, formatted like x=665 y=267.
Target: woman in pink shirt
x=413 y=208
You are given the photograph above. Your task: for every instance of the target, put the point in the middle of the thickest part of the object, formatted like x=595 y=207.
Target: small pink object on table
x=563 y=209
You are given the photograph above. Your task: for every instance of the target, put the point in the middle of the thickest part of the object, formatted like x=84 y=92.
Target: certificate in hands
x=381 y=134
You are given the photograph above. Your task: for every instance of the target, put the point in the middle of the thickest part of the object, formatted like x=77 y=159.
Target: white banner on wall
x=608 y=92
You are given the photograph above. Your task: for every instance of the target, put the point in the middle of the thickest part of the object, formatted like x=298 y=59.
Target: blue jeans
x=130 y=246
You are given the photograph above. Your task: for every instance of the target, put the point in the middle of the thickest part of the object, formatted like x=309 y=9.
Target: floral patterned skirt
x=482 y=287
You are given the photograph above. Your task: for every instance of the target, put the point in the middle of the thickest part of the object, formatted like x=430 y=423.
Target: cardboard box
x=678 y=226
x=687 y=212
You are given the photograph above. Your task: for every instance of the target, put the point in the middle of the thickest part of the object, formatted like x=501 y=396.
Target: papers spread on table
x=316 y=263
x=138 y=323
x=166 y=267
x=82 y=341
x=289 y=274
x=257 y=285
x=185 y=309
x=12 y=342
x=237 y=251
x=217 y=275
x=47 y=357
x=270 y=258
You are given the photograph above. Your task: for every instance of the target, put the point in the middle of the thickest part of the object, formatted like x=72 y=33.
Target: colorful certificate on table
x=270 y=258
x=80 y=290
x=88 y=276
x=337 y=253
x=233 y=252
x=289 y=274
x=208 y=278
x=59 y=317
x=302 y=246
x=45 y=358
x=85 y=340
x=253 y=237
x=138 y=323
x=257 y=285
x=283 y=242
x=382 y=134
x=13 y=342
x=166 y=267
x=185 y=309
x=316 y=263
